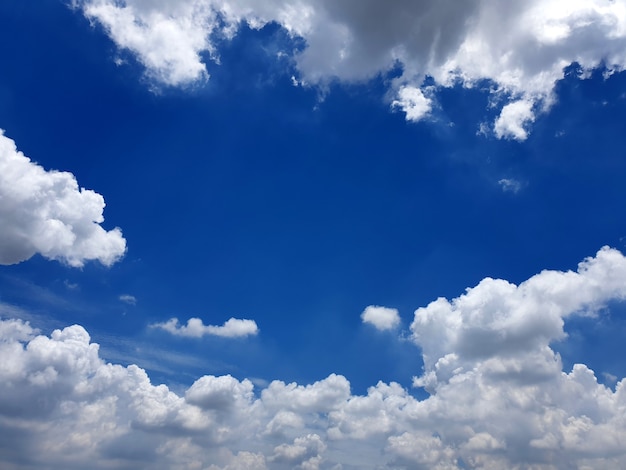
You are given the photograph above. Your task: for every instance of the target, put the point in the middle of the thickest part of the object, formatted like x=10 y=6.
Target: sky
x=312 y=234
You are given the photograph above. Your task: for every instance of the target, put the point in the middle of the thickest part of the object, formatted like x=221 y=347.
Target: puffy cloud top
x=46 y=212
x=508 y=328
x=499 y=397
x=382 y=318
x=520 y=46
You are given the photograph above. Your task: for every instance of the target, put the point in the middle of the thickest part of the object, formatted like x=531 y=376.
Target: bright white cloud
x=412 y=101
x=513 y=120
x=46 y=212
x=499 y=397
x=167 y=41
x=382 y=318
x=521 y=46
x=503 y=329
x=195 y=328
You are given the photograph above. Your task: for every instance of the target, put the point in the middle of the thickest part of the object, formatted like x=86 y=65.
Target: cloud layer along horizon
x=499 y=397
x=46 y=212
x=519 y=47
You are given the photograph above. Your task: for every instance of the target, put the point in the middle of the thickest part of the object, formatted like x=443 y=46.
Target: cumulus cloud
x=521 y=47
x=513 y=120
x=499 y=397
x=304 y=453
x=195 y=328
x=382 y=318
x=412 y=101
x=46 y=212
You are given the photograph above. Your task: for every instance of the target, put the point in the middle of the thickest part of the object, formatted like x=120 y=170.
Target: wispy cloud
x=128 y=299
x=510 y=185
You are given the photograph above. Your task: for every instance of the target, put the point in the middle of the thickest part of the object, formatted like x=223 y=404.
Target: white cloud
x=510 y=185
x=499 y=397
x=521 y=46
x=46 y=212
x=216 y=393
x=413 y=102
x=504 y=329
x=382 y=318
x=195 y=328
x=304 y=453
x=128 y=299
x=168 y=42
x=423 y=450
x=513 y=120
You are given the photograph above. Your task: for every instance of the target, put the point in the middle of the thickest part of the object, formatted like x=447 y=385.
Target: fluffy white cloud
x=499 y=397
x=195 y=328
x=412 y=101
x=513 y=120
x=506 y=329
x=46 y=212
x=382 y=318
x=520 y=46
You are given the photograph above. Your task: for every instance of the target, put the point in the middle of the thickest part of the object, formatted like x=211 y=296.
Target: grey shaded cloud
x=521 y=47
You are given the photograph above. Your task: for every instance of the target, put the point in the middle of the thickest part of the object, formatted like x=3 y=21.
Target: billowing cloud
x=195 y=328
x=506 y=329
x=46 y=212
x=499 y=397
x=521 y=47
x=382 y=318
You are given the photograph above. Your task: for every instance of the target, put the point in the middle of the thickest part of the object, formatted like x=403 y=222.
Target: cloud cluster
x=195 y=328
x=46 y=212
x=520 y=47
x=498 y=397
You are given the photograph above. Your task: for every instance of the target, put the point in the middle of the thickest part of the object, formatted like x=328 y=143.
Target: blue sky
x=307 y=179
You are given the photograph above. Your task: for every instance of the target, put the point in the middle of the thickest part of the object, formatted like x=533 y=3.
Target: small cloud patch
x=510 y=185
x=382 y=318
x=195 y=328
x=128 y=299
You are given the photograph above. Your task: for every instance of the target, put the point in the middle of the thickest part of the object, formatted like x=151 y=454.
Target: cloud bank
x=46 y=212
x=499 y=397
x=519 y=47
x=195 y=328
